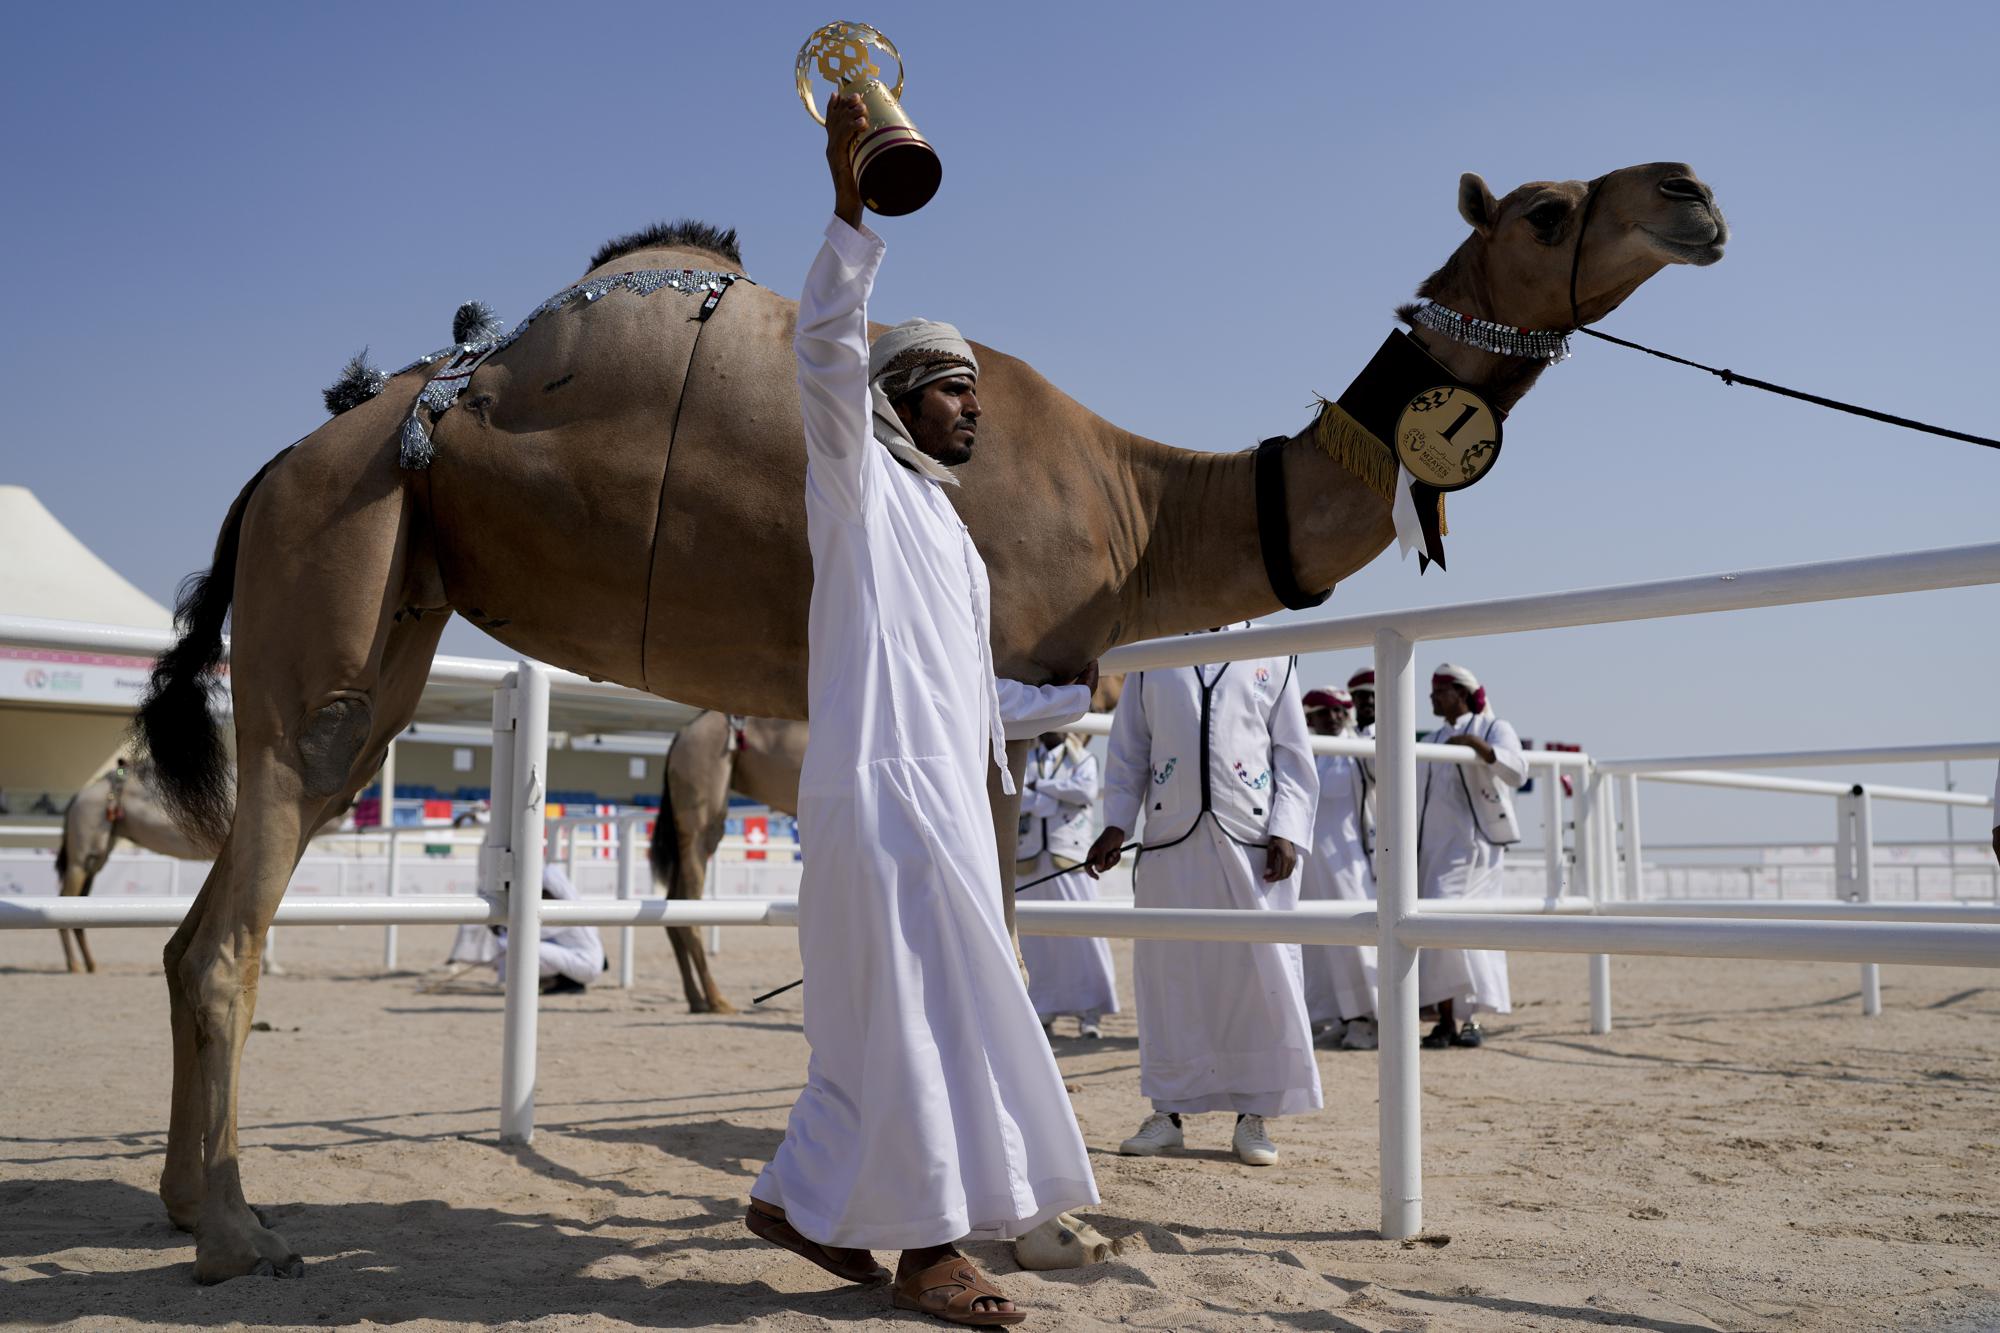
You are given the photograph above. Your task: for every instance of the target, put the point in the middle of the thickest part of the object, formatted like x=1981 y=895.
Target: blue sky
x=1192 y=219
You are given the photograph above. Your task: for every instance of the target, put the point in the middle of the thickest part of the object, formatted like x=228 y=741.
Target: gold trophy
x=897 y=169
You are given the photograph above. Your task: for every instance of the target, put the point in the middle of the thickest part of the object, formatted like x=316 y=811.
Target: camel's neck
x=1462 y=285
x=1195 y=558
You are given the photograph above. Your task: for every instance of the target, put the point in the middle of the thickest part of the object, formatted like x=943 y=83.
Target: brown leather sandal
x=920 y=1292
x=768 y=1223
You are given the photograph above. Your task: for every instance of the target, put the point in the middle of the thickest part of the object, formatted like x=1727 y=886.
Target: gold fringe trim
x=1348 y=443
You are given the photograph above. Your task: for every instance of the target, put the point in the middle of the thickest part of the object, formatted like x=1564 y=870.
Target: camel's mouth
x=1698 y=241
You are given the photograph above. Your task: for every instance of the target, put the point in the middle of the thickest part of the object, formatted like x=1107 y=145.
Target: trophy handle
x=807 y=62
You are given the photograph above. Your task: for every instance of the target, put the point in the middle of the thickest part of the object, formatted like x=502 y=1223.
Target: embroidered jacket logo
x=1258 y=783
x=1162 y=774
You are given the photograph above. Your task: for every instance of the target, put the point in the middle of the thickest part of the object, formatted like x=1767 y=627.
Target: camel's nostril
x=1686 y=187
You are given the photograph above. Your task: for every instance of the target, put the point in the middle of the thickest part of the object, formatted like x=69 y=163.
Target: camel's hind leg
x=319 y=694
x=698 y=803
x=703 y=995
x=80 y=865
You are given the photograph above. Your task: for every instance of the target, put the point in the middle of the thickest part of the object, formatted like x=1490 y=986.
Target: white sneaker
x=1157 y=1133
x=1327 y=1036
x=1086 y=1026
x=1253 y=1146
x=1360 y=1035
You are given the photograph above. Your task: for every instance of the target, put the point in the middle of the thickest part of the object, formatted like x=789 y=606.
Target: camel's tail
x=176 y=722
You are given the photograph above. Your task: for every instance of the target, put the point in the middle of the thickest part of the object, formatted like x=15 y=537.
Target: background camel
x=119 y=804
x=626 y=470
x=757 y=758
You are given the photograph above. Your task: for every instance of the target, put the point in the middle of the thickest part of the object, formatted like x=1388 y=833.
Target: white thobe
x=1066 y=974
x=933 y=1109
x=1455 y=860
x=1222 y=1025
x=1340 y=978
x=576 y=952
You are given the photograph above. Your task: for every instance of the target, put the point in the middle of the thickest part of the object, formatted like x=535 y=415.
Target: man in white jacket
x=1340 y=978
x=1218 y=759
x=1066 y=974
x=1466 y=823
x=932 y=1109
x=571 y=957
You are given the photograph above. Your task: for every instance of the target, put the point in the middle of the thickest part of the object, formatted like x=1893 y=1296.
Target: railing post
x=1400 y=1085
x=1595 y=830
x=524 y=903
x=1635 y=874
x=388 y=780
x=1552 y=835
x=1864 y=886
x=391 y=880
x=628 y=865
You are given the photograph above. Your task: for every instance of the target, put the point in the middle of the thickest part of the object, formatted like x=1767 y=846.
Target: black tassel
x=475 y=322
x=358 y=382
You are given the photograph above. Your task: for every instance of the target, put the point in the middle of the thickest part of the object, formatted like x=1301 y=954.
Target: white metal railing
x=513 y=852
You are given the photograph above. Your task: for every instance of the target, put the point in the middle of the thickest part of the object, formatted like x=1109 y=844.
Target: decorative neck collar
x=1548 y=345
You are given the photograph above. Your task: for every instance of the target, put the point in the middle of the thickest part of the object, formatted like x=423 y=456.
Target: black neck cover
x=1399 y=371
x=1274 y=529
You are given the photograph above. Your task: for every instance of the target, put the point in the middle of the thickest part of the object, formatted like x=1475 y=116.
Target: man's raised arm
x=832 y=338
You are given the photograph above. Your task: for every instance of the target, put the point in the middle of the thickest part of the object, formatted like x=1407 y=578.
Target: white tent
x=62 y=715
x=46 y=571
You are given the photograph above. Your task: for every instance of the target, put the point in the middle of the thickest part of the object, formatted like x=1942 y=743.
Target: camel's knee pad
x=331 y=742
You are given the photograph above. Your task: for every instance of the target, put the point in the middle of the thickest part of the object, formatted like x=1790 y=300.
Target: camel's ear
x=1476 y=204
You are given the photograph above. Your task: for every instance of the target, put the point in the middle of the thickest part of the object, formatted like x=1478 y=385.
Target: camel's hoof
x=720 y=1006
x=208 y=1274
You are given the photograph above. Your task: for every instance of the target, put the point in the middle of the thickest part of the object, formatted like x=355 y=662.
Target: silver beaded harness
x=1548 y=345
x=461 y=359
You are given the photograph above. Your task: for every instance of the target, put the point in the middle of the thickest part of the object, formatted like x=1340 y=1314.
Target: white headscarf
x=1459 y=676
x=907 y=357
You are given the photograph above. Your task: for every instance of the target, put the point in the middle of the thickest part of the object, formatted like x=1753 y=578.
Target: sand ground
x=1745 y=1151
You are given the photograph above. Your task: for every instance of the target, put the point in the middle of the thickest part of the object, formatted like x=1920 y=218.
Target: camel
x=120 y=804
x=715 y=755
x=629 y=469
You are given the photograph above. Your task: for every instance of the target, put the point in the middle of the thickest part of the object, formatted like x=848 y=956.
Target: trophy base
x=897 y=171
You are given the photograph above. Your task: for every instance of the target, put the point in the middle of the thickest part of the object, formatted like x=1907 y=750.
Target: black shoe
x=1469 y=1035
x=562 y=985
x=1439 y=1037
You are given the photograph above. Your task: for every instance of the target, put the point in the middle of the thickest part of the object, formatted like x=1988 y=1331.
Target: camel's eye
x=1546 y=217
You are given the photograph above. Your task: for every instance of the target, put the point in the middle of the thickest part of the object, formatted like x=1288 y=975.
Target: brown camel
x=715 y=755
x=120 y=804
x=619 y=491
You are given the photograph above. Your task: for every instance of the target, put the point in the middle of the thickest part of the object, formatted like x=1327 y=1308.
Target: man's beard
x=951 y=453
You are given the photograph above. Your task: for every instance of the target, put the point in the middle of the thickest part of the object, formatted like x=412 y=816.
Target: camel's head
x=1630 y=224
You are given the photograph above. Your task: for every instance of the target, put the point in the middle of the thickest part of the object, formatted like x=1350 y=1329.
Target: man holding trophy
x=933 y=1109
